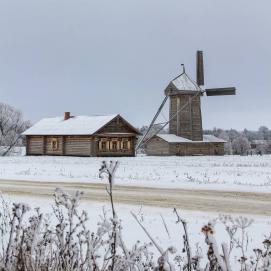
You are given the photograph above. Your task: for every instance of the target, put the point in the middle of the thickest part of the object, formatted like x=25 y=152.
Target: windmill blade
x=220 y=91
x=200 y=68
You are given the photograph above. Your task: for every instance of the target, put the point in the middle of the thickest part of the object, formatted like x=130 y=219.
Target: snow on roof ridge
x=87 y=116
x=77 y=125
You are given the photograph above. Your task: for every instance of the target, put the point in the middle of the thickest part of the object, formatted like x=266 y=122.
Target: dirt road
x=200 y=200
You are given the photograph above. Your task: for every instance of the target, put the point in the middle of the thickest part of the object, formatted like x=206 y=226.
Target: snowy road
x=199 y=200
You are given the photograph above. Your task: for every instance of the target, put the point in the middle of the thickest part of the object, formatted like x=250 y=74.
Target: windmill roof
x=78 y=125
x=184 y=82
x=171 y=138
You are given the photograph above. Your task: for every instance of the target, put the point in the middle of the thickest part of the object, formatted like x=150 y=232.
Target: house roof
x=171 y=138
x=78 y=125
x=214 y=139
x=183 y=82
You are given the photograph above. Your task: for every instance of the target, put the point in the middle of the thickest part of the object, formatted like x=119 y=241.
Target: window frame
x=114 y=145
x=127 y=142
x=54 y=144
x=114 y=142
x=103 y=144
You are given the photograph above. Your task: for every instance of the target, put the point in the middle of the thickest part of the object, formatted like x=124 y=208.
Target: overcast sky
x=117 y=56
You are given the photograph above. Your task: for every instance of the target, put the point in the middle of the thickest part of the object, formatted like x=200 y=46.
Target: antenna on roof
x=183 y=68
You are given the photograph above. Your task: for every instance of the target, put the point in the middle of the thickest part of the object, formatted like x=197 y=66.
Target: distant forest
x=246 y=141
x=239 y=142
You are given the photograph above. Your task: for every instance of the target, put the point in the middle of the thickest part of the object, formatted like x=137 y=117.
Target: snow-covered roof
x=184 y=82
x=214 y=139
x=171 y=138
x=79 y=125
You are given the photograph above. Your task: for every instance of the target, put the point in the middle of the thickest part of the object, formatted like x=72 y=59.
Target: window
x=103 y=147
x=126 y=144
x=114 y=145
x=54 y=144
x=103 y=144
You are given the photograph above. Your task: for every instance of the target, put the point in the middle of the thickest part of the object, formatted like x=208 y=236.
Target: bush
x=35 y=244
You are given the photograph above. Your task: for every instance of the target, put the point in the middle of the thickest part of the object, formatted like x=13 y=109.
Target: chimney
x=67 y=115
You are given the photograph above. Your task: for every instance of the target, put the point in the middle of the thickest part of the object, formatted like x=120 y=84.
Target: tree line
x=246 y=141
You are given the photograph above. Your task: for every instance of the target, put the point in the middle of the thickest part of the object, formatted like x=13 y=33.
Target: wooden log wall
x=204 y=148
x=157 y=146
x=35 y=145
x=116 y=126
x=78 y=146
x=48 y=145
x=188 y=122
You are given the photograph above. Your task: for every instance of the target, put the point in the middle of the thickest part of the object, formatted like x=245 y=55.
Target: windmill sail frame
x=200 y=68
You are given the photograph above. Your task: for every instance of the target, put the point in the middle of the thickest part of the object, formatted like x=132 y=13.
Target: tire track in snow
x=199 y=200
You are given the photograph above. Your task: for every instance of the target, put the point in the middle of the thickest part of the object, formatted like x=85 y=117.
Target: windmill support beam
x=152 y=122
x=178 y=116
x=191 y=116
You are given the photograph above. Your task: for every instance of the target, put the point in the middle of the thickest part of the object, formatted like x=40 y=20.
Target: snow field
x=243 y=173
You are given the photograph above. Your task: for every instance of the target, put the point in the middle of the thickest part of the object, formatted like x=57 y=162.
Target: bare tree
x=240 y=145
x=228 y=146
x=264 y=133
x=12 y=125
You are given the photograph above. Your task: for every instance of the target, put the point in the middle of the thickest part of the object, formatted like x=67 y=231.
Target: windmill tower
x=184 y=107
x=185 y=119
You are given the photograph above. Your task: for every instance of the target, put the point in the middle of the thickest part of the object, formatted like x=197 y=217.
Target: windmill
x=184 y=94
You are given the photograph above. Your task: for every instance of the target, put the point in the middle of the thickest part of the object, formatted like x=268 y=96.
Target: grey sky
x=100 y=57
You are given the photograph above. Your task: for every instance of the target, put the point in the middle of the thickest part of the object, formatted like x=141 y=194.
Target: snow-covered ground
x=151 y=217
x=245 y=173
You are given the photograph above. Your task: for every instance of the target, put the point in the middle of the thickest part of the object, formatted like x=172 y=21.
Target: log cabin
x=170 y=144
x=82 y=136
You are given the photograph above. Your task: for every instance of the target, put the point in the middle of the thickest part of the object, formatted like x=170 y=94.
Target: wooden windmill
x=184 y=95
